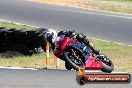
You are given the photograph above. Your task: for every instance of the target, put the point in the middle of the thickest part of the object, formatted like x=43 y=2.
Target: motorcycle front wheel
x=67 y=66
x=74 y=58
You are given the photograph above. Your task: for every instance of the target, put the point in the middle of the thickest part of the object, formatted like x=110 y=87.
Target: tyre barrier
x=26 y=42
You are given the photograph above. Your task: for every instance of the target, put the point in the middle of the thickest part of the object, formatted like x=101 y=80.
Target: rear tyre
x=108 y=67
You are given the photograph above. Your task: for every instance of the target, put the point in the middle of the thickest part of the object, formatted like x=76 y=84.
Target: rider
x=81 y=38
x=51 y=36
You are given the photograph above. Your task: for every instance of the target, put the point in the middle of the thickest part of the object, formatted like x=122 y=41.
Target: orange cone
x=47 y=53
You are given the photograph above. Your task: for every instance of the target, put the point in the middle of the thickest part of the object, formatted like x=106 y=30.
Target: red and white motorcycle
x=78 y=55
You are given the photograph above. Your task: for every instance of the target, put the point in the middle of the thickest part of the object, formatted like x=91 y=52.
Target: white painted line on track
x=17 y=68
x=101 y=71
x=21 y=68
x=109 y=41
x=119 y=72
x=40 y=27
x=92 y=70
x=18 y=23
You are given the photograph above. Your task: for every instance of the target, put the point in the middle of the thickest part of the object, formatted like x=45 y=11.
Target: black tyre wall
x=23 y=41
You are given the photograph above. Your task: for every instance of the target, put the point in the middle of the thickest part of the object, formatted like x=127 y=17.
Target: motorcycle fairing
x=85 y=51
x=66 y=42
x=91 y=64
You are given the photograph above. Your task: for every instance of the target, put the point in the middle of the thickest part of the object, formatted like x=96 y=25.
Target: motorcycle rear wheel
x=108 y=68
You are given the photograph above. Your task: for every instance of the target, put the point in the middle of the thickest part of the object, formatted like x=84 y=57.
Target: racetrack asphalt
x=24 y=78
x=96 y=24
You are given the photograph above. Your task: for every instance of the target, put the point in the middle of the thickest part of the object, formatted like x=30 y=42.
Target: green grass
x=23 y=61
x=122 y=6
x=34 y=61
x=13 y=25
x=119 y=54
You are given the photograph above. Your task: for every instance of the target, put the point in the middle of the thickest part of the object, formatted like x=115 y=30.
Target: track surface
x=10 y=78
x=108 y=26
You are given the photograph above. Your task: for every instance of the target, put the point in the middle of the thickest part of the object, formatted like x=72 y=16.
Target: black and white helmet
x=51 y=35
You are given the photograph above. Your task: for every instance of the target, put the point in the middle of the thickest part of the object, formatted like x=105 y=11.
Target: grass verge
x=122 y=6
x=9 y=25
x=119 y=54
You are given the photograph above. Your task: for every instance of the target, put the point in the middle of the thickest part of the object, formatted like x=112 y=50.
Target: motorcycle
x=77 y=55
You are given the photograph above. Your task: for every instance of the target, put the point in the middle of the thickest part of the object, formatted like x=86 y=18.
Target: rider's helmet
x=51 y=35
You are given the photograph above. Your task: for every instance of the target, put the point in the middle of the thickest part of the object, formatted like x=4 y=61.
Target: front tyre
x=74 y=58
x=68 y=67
